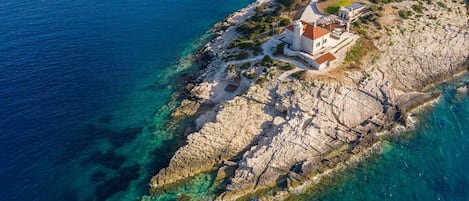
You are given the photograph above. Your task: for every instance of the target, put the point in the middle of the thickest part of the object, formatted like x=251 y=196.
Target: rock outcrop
x=285 y=132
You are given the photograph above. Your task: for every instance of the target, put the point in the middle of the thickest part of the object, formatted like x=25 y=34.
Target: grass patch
x=335 y=7
x=360 y=49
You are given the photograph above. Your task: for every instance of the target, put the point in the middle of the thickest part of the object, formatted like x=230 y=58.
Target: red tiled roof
x=310 y=31
x=325 y=57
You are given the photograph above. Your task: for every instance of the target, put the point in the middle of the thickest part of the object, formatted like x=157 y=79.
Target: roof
x=325 y=57
x=355 y=6
x=310 y=31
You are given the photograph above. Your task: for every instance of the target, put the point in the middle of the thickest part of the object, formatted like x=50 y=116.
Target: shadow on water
x=108 y=159
x=89 y=135
x=119 y=183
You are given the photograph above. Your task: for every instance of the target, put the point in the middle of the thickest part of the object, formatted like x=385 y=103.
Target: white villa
x=351 y=12
x=316 y=45
x=306 y=37
x=308 y=42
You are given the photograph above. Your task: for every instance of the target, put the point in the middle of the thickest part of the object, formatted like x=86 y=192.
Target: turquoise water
x=428 y=163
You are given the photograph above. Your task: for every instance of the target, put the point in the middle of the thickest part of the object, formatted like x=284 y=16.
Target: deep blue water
x=85 y=89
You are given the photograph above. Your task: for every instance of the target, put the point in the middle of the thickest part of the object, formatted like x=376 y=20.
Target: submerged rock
x=462 y=89
x=186 y=109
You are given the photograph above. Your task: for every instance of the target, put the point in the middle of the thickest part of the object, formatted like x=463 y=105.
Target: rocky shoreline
x=285 y=134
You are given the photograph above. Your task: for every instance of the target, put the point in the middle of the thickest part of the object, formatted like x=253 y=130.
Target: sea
x=87 y=88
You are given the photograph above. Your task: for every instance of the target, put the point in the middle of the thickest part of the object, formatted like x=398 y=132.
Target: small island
x=293 y=91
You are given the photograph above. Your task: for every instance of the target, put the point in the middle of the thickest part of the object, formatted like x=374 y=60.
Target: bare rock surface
x=236 y=126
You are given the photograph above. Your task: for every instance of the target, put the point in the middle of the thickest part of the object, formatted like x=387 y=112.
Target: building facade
x=306 y=37
x=351 y=12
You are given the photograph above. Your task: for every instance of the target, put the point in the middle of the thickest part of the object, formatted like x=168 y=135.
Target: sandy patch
x=389 y=17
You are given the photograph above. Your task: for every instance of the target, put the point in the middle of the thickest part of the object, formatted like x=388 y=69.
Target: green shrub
x=362 y=32
x=267 y=59
x=417 y=8
x=261 y=80
x=287 y=67
x=442 y=4
x=249 y=75
x=405 y=14
x=284 y=22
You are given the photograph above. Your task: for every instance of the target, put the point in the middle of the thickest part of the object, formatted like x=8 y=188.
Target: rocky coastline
x=286 y=134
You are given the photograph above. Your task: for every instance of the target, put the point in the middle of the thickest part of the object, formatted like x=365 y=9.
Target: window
x=318 y=44
x=324 y=41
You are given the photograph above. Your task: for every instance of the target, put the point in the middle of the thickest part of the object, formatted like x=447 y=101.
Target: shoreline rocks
x=286 y=133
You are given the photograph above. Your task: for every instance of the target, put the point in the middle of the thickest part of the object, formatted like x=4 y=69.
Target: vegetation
x=417 y=8
x=260 y=25
x=284 y=21
x=289 y=4
x=301 y=75
x=442 y=4
x=358 y=51
x=370 y=19
x=261 y=80
x=231 y=68
x=288 y=66
x=267 y=61
x=257 y=29
x=405 y=14
x=384 y=1
x=255 y=47
x=251 y=75
x=335 y=7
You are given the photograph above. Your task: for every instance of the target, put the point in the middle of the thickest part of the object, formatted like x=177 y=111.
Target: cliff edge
x=286 y=130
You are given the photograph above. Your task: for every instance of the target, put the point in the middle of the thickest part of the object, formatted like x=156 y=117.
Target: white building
x=305 y=37
x=309 y=42
x=351 y=12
